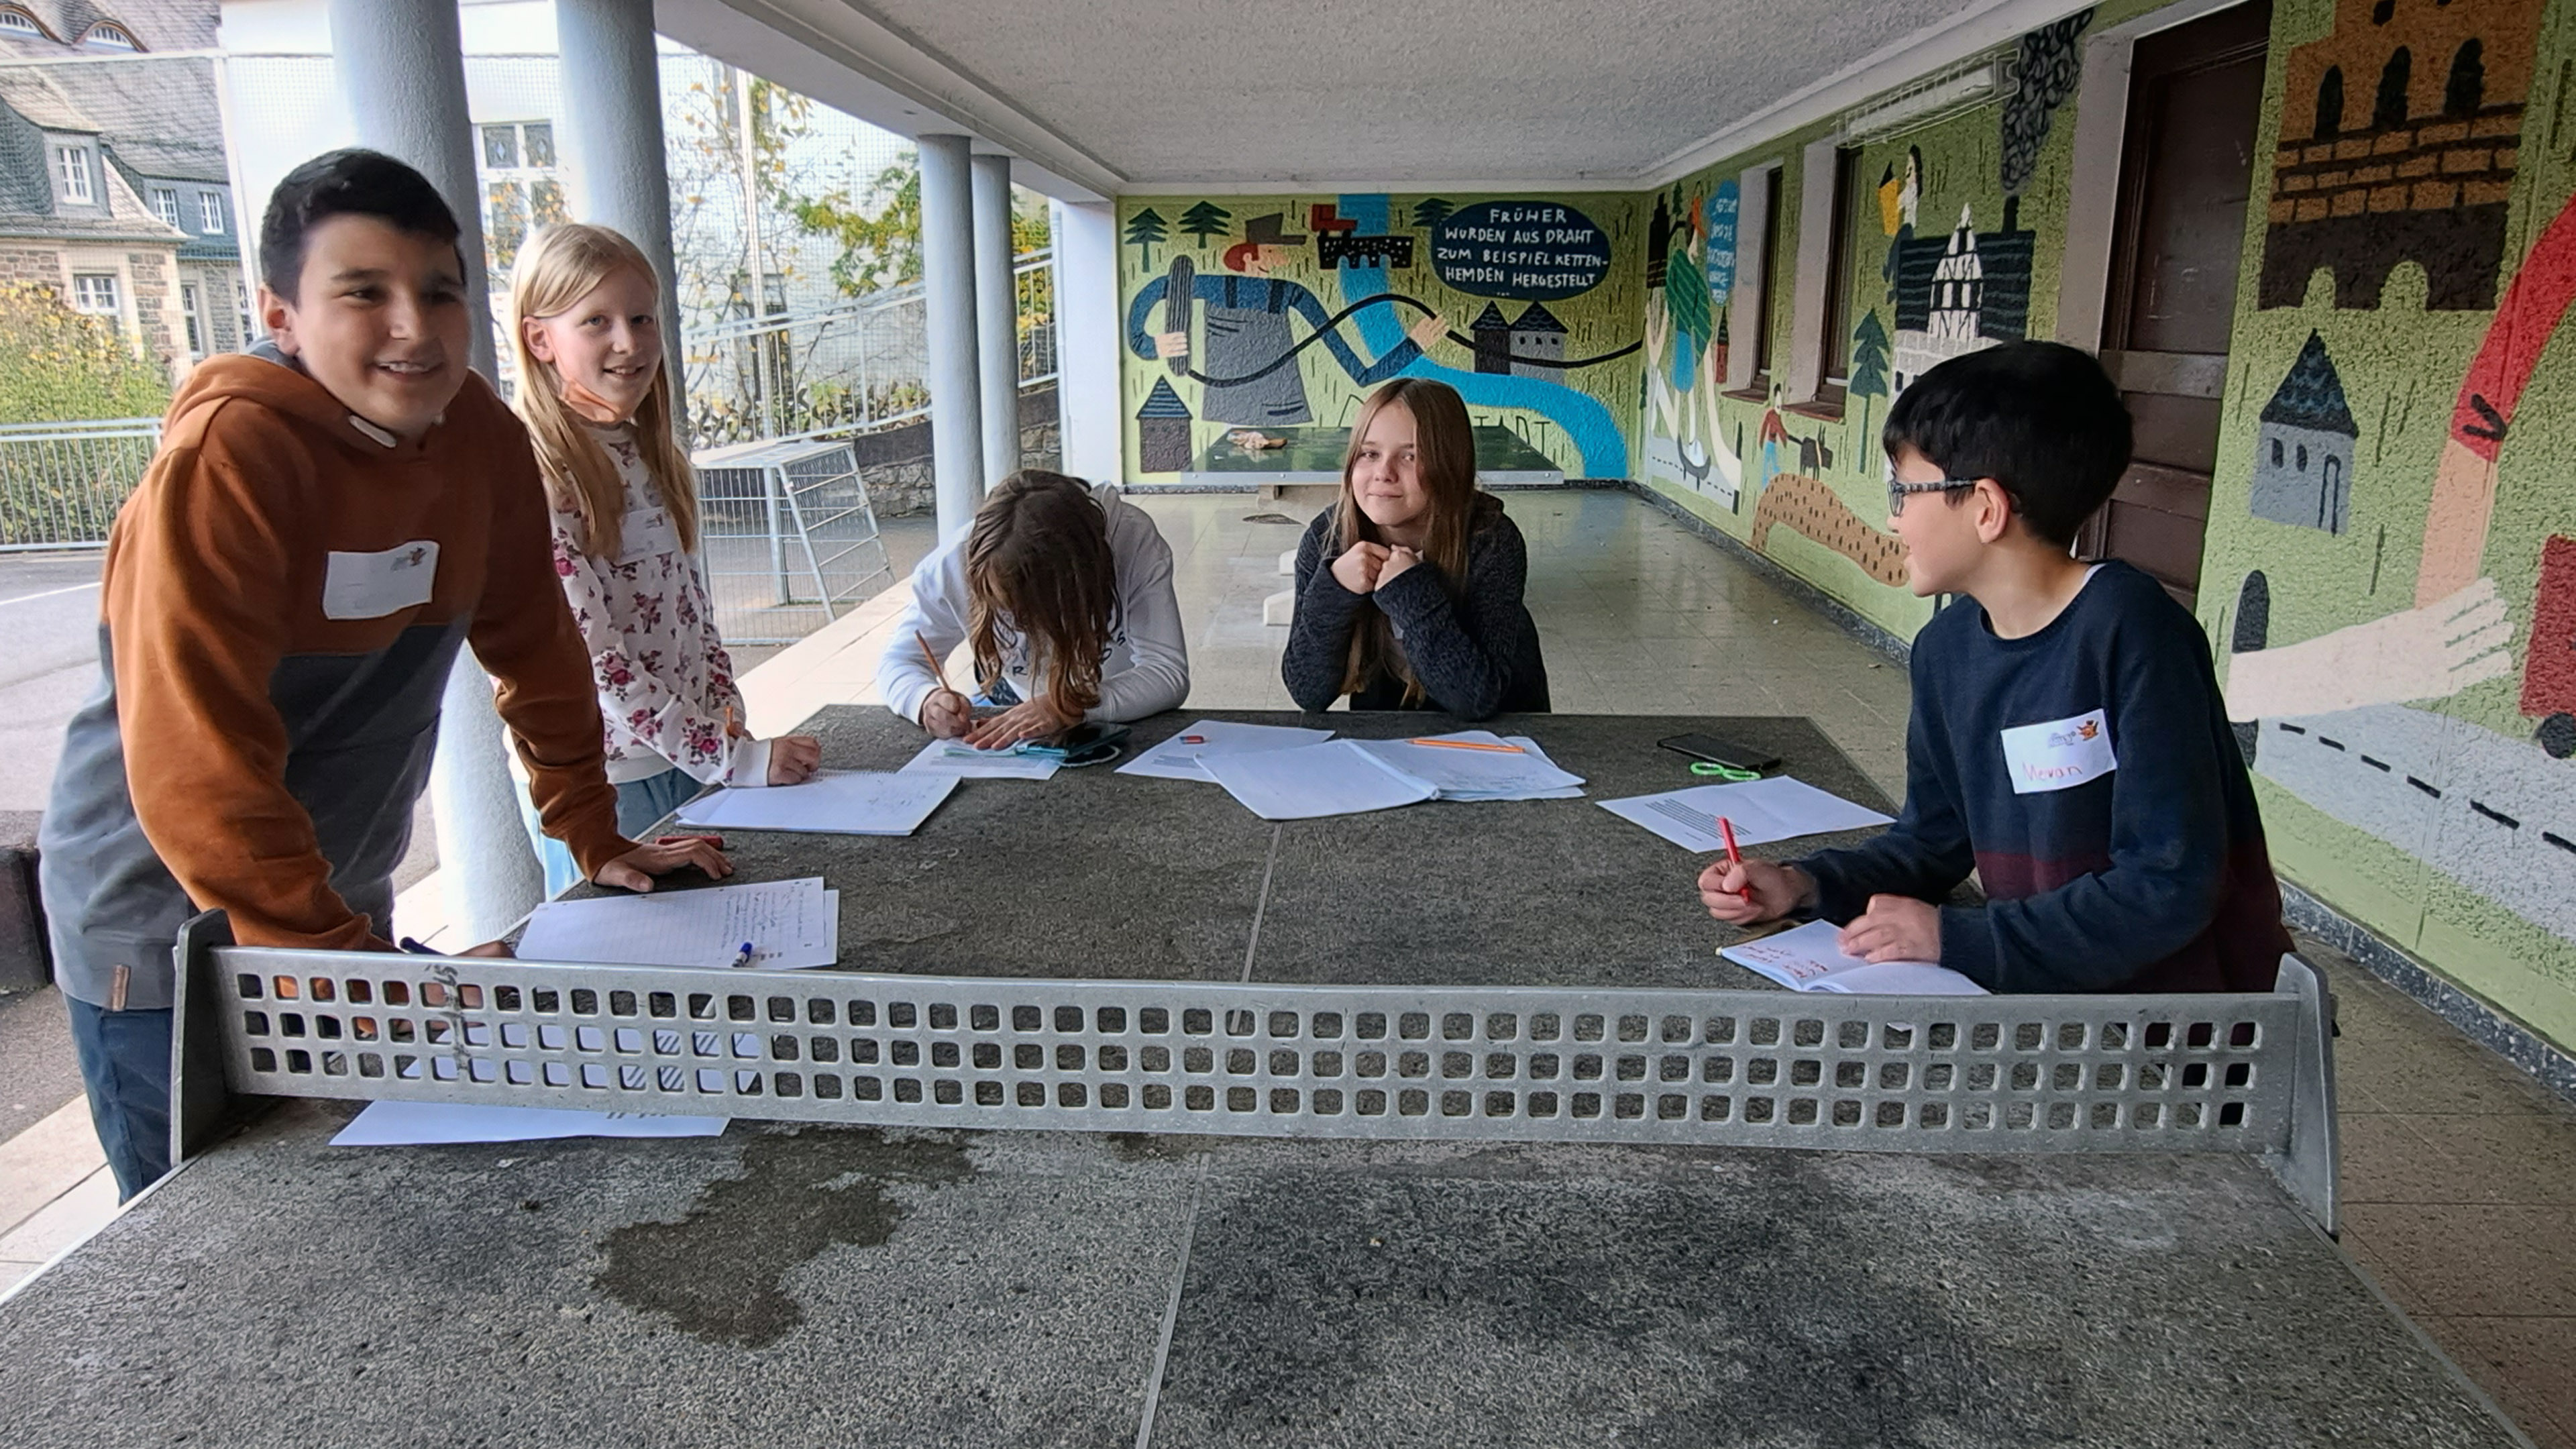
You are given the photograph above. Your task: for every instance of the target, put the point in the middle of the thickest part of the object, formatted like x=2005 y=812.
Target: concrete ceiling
x=1142 y=95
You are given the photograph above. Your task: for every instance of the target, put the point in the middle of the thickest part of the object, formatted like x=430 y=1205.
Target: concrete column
x=1087 y=340
x=997 y=318
x=612 y=136
x=948 y=292
x=401 y=70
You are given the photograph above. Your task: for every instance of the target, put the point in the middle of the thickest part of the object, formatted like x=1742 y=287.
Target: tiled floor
x=2459 y=1173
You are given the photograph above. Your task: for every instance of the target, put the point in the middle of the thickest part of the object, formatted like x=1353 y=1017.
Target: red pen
x=1733 y=856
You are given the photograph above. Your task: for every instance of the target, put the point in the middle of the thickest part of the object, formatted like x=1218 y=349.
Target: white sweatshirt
x=1147 y=668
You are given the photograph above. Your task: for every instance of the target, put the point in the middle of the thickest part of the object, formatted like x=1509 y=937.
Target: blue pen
x=745 y=958
x=416 y=948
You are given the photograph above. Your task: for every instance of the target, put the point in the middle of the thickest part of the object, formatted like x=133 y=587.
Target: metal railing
x=61 y=483
x=850 y=370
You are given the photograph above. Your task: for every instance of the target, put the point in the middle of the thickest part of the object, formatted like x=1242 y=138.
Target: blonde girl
x=585 y=319
x=1409 y=589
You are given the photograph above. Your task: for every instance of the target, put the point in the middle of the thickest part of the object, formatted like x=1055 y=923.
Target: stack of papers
x=1807 y=959
x=1184 y=755
x=954 y=757
x=407 y=1124
x=1778 y=808
x=1479 y=765
x=835 y=802
x=787 y=923
x=1335 y=778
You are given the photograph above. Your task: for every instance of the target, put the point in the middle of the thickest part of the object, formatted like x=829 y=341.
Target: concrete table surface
x=826 y=1286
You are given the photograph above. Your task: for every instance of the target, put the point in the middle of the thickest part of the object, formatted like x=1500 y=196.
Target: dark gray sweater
x=1476 y=656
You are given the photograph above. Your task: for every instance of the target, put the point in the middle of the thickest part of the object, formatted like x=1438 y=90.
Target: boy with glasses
x=2068 y=741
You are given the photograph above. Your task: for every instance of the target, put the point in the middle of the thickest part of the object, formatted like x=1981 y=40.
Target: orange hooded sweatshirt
x=283 y=598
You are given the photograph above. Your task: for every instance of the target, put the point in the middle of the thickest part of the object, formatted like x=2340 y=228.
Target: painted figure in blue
x=1245 y=361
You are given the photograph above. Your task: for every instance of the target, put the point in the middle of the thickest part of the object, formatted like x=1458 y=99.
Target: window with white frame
x=19 y=22
x=211 y=210
x=94 y=293
x=165 y=203
x=196 y=319
x=71 y=172
x=108 y=35
x=522 y=190
x=241 y=304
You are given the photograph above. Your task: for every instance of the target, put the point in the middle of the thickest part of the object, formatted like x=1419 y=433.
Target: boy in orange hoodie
x=327 y=521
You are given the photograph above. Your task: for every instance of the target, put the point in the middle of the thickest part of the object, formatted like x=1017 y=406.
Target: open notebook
x=1806 y=959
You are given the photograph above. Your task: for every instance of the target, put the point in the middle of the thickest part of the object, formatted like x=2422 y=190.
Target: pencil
x=1469 y=745
x=1734 y=857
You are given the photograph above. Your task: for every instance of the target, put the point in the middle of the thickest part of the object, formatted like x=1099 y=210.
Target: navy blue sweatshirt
x=2088 y=774
x=1476 y=655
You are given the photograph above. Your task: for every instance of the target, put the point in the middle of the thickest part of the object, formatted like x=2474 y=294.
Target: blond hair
x=1444 y=451
x=557 y=268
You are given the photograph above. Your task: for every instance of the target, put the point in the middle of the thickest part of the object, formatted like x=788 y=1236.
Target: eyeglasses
x=1896 y=491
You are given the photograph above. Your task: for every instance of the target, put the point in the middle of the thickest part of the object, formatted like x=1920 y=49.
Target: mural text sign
x=1536 y=251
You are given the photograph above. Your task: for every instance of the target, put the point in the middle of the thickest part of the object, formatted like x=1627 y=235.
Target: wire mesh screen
x=790 y=538
x=2181 y=1073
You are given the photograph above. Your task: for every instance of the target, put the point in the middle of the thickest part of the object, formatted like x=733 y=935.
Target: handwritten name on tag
x=2060 y=754
x=372 y=585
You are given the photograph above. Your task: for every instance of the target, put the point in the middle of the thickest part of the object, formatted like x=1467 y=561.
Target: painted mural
x=2392 y=540
x=1277 y=315
x=1942 y=261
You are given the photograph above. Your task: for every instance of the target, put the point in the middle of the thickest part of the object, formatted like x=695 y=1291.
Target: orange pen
x=1469 y=745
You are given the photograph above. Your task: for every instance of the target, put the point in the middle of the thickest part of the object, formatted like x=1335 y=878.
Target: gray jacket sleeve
x=1463 y=652
x=1319 y=634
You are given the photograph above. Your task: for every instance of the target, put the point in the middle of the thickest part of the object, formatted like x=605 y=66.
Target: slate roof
x=1162 y=402
x=2312 y=395
x=159 y=116
x=1491 y=319
x=1538 y=319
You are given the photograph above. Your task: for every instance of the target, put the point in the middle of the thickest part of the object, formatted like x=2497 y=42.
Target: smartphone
x=1092 y=742
x=1720 y=752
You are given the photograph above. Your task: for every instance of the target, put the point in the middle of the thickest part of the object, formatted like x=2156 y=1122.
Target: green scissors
x=1723 y=772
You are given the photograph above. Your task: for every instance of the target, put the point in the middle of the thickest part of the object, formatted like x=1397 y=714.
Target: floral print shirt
x=664 y=678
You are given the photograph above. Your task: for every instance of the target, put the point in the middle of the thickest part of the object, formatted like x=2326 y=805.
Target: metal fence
x=61 y=483
x=851 y=370
x=789 y=537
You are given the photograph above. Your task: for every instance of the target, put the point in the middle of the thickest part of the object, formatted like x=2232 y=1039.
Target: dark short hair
x=2041 y=418
x=354 y=182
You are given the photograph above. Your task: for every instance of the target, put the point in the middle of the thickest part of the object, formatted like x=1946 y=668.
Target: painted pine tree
x=1147 y=230
x=1430 y=211
x=1207 y=219
x=1868 y=365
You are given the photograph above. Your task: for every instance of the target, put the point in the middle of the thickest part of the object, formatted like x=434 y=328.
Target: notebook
x=1806 y=959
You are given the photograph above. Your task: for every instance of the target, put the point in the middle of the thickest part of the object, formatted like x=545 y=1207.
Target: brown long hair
x=1038 y=558
x=556 y=269
x=1445 y=460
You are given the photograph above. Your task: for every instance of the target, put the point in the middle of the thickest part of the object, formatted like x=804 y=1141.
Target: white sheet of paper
x=1334 y=778
x=789 y=923
x=836 y=802
x=1479 y=774
x=1778 y=808
x=412 y=1124
x=1182 y=756
x=948 y=757
x=1807 y=959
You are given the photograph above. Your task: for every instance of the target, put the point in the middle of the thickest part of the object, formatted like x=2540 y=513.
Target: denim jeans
x=639 y=804
x=125 y=1065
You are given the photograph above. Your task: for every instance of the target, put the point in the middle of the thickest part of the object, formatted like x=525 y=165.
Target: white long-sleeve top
x=664 y=678
x=1146 y=669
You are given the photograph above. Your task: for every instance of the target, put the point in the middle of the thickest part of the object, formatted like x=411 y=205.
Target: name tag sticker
x=2060 y=754
x=372 y=585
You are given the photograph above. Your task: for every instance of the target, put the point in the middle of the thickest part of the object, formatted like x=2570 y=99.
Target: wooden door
x=2195 y=99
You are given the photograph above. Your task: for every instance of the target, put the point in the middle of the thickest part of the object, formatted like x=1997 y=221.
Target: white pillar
x=612 y=137
x=401 y=70
x=948 y=294
x=997 y=319
x=1088 y=343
